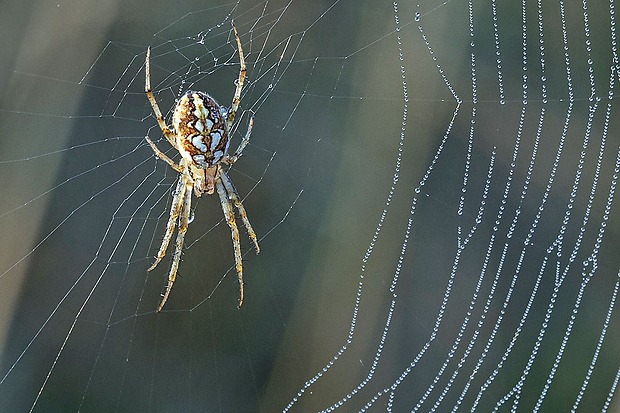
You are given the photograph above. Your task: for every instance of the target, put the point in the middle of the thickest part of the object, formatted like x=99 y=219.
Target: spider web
x=432 y=185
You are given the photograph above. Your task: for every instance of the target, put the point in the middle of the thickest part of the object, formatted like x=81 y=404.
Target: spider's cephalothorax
x=201 y=130
x=200 y=133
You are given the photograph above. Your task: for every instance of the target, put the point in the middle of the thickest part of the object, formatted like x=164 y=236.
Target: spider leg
x=230 y=219
x=240 y=81
x=160 y=119
x=232 y=192
x=177 y=202
x=183 y=223
x=246 y=139
x=163 y=156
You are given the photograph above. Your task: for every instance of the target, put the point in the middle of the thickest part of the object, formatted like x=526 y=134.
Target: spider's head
x=201 y=129
x=204 y=179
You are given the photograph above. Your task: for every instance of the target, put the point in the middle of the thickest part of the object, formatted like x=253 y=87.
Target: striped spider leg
x=200 y=133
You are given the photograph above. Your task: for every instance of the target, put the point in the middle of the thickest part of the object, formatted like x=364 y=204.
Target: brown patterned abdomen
x=200 y=126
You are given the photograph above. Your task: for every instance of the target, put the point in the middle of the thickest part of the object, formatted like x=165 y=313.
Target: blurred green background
x=333 y=122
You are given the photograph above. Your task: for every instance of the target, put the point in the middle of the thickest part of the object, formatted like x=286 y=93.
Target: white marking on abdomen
x=215 y=140
x=199 y=126
x=217 y=155
x=198 y=143
x=200 y=160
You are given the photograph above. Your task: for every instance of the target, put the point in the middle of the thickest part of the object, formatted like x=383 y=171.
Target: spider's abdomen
x=200 y=125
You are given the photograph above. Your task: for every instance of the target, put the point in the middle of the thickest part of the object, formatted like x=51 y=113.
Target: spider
x=200 y=132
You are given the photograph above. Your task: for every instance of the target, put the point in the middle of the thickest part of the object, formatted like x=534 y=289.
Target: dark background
x=85 y=206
